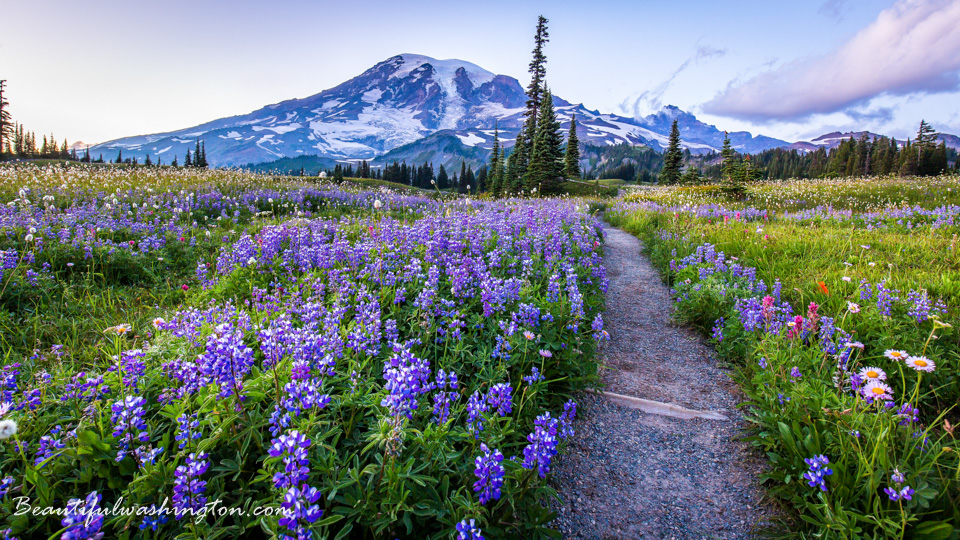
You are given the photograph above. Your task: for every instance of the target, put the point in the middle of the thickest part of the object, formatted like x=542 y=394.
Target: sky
x=106 y=69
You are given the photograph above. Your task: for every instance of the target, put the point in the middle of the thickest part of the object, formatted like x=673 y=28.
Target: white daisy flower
x=896 y=355
x=921 y=363
x=877 y=390
x=853 y=308
x=873 y=373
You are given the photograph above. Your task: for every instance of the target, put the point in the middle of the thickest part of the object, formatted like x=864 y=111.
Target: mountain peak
x=408 y=98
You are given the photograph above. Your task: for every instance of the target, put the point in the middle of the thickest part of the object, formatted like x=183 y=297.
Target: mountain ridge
x=396 y=109
x=399 y=101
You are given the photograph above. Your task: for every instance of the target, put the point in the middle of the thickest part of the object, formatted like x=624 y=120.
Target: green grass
x=795 y=418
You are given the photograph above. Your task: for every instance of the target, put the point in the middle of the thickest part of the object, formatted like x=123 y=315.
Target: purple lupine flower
x=542 y=445
x=468 y=530
x=566 y=419
x=599 y=334
x=407 y=377
x=78 y=521
x=188 y=489
x=818 y=471
x=154 y=518
x=490 y=472
x=188 y=430
x=132 y=365
x=500 y=398
x=280 y=419
x=5 y=485
x=908 y=414
x=476 y=406
x=866 y=290
x=534 y=376
x=300 y=510
x=129 y=424
x=85 y=388
x=292 y=448
x=795 y=372
x=49 y=444
x=303 y=395
x=895 y=494
x=718 y=329
x=885 y=298
x=762 y=362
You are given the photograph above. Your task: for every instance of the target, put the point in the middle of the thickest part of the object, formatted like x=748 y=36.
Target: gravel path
x=629 y=474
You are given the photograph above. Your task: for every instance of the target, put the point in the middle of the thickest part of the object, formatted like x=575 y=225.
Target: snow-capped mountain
x=833 y=140
x=403 y=101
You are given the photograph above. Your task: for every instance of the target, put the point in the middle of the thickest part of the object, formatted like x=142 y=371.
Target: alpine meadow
x=435 y=302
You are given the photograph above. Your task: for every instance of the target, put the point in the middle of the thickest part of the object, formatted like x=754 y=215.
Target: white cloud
x=911 y=48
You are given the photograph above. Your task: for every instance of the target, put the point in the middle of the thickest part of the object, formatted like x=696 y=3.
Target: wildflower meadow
x=209 y=354
x=837 y=302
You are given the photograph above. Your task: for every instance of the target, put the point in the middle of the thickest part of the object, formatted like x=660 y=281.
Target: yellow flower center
x=921 y=363
x=879 y=391
x=872 y=374
x=896 y=355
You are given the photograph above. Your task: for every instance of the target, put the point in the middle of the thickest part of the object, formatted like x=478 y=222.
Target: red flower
x=823 y=287
x=185 y=287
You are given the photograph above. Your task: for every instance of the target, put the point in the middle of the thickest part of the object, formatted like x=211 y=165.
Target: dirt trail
x=629 y=474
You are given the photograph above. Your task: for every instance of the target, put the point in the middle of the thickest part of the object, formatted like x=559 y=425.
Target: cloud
x=911 y=48
x=835 y=9
x=652 y=100
x=879 y=115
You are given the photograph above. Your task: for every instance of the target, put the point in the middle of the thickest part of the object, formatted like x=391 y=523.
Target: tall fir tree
x=571 y=158
x=535 y=90
x=673 y=158
x=545 y=170
x=729 y=159
x=443 y=181
x=481 y=180
x=516 y=166
x=495 y=182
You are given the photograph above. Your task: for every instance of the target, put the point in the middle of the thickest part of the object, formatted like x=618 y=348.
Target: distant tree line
x=18 y=143
x=421 y=176
x=864 y=156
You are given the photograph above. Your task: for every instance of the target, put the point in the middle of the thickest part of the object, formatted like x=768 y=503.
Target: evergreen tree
x=545 y=170
x=516 y=167
x=535 y=90
x=908 y=160
x=6 y=127
x=174 y=162
x=481 y=180
x=443 y=181
x=673 y=158
x=189 y=161
x=729 y=157
x=496 y=176
x=147 y=162
x=338 y=173
x=691 y=176
x=462 y=184
x=196 y=154
x=571 y=158
x=119 y=156
x=203 y=154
